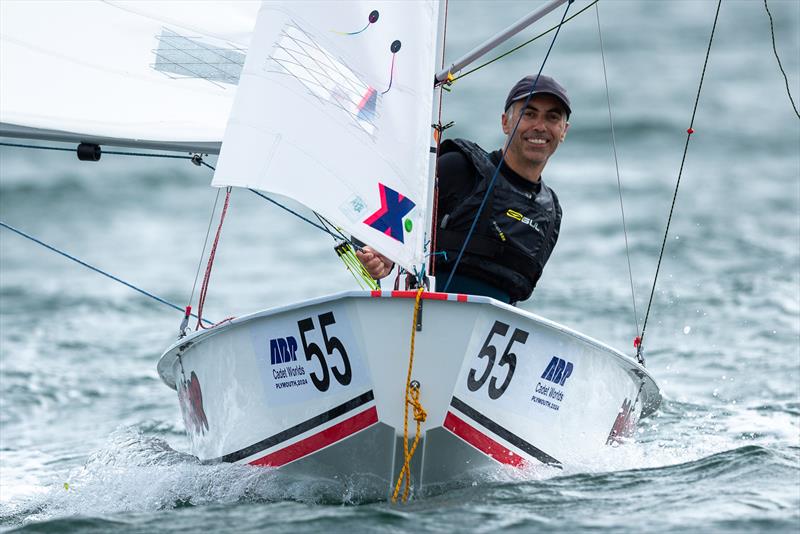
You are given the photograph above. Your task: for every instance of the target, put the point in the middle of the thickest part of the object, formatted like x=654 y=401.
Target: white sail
x=333 y=109
x=131 y=73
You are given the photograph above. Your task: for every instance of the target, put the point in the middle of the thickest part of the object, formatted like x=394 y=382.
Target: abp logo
x=557 y=371
x=282 y=350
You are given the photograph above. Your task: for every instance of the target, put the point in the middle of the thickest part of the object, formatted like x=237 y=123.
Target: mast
x=430 y=221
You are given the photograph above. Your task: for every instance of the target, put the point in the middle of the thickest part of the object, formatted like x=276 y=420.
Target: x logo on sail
x=389 y=218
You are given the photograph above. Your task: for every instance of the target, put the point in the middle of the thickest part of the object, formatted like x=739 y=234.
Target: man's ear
x=564 y=135
x=505 y=123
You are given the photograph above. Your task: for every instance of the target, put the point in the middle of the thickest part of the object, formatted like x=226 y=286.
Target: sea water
x=92 y=441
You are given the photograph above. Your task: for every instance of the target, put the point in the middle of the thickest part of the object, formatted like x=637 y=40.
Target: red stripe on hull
x=426 y=295
x=481 y=441
x=313 y=443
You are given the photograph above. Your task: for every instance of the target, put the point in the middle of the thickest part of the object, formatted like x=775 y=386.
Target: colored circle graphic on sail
x=373 y=18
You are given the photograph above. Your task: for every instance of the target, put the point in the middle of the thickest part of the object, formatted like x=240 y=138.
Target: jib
x=557 y=371
x=283 y=350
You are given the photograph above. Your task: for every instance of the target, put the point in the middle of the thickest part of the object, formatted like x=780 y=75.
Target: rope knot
x=420 y=415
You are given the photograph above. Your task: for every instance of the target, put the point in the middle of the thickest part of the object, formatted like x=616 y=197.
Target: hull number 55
x=489 y=353
x=332 y=344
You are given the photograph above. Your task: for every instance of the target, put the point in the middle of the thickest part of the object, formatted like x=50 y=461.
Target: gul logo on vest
x=549 y=392
x=283 y=351
x=517 y=216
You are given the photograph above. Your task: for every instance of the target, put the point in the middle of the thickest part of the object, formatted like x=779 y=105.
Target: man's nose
x=538 y=124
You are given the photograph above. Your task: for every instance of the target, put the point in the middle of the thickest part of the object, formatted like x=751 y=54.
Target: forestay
x=124 y=73
x=333 y=109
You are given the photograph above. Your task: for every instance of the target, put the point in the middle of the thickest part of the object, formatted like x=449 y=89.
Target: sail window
x=326 y=77
x=189 y=57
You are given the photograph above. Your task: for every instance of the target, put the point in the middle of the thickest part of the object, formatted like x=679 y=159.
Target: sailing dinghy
x=332 y=108
x=325 y=388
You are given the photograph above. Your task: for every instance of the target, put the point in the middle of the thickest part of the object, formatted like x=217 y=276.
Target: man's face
x=542 y=128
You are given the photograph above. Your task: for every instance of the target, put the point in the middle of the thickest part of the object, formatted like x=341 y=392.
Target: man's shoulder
x=466 y=154
x=459 y=145
x=549 y=189
x=454 y=163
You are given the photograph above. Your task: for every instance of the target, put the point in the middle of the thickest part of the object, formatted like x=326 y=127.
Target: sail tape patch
x=188 y=57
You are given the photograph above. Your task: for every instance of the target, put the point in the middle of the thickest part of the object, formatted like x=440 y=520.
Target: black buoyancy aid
x=514 y=236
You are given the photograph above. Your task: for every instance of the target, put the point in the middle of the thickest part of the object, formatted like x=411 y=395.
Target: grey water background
x=81 y=403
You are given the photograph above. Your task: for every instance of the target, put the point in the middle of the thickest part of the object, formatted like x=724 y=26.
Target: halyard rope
x=411 y=399
x=689 y=131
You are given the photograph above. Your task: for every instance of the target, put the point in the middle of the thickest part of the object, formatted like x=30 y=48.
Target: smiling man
x=519 y=224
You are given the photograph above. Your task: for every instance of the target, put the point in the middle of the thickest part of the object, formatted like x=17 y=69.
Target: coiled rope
x=411 y=399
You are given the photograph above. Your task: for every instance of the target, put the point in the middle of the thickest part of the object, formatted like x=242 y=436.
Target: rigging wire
x=198 y=161
x=500 y=164
x=780 y=66
x=616 y=166
x=508 y=53
x=285 y=208
x=95 y=269
x=689 y=131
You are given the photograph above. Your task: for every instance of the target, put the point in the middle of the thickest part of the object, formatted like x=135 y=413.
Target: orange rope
x=412 y=399
x=211 y=255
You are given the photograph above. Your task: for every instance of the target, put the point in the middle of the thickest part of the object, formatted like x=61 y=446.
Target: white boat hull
x=318 y=388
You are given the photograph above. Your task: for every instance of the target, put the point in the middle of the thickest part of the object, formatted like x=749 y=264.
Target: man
x=520 y=221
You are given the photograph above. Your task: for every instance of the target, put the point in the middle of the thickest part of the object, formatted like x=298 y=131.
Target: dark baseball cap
x=544 y=85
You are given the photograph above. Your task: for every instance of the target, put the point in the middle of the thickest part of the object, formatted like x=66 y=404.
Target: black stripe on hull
x=507 y=435
x=298 y=429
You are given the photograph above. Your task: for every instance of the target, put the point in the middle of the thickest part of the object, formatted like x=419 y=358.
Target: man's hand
x=376 y=265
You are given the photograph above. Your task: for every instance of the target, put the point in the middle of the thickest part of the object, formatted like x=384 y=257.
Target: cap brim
x=563 y=104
